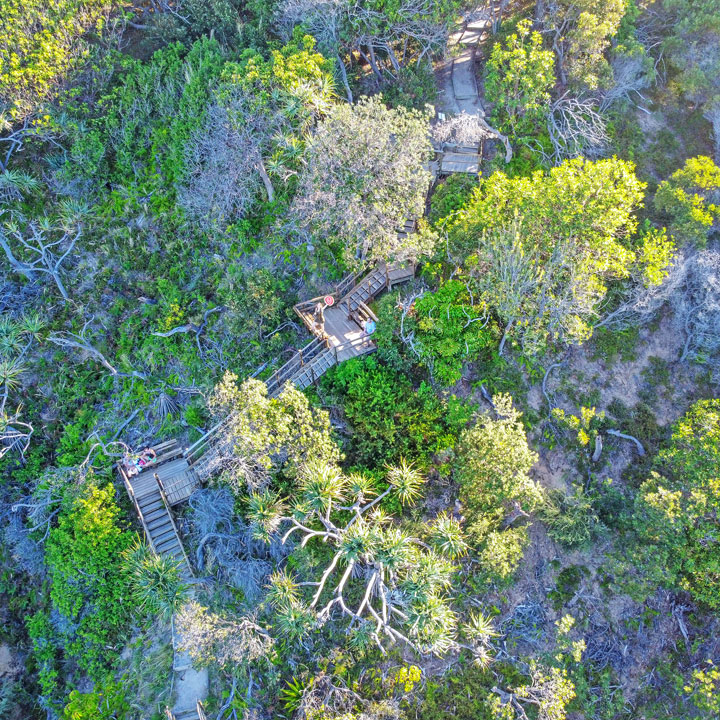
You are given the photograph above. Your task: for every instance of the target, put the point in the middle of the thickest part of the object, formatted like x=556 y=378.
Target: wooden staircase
x=147 y=492
x=161 y=531
x=352 y=296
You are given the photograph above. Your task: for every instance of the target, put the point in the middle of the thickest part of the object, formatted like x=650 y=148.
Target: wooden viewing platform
x=341 y=336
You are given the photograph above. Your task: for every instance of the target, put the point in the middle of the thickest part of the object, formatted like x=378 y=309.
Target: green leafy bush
x=389 y=418
x=492 y=467
x=450 y=328
x=690 y=198
x=40 y=42
x=570 y=519
x=45 y=656
x=106 y=702
x=520 y=75
x=89 y=585
x=677 y=506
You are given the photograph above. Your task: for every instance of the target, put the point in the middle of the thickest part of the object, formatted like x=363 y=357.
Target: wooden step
x=190 y=714
x=168 y=546
x=150 y=502
x=164 y=533
x=153 y=516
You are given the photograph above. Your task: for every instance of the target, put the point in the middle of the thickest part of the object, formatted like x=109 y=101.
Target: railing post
x=301 y=357
x=387 y=276
x=312 y=373
x=336 y=357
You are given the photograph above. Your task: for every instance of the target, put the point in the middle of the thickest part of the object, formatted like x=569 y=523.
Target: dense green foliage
x=520 y=76
x=544 y=246
x=39 y=45
x=677 y=505
x=690 y=198
x=391 y=420
x=84 y=556
x=400 y=539
x=492 y=471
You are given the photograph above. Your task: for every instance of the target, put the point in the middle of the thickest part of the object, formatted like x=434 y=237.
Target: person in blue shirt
x=369 y=326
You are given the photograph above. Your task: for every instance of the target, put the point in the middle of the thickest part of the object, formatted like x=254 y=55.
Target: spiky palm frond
x=294 y=621
x=31 y=324
x=10 y=337
x=265 y=509
x=394 y=548
x=447 y=536
x=282 y=590
x=15 y=183
x=480 y=628
x=358 y=542
x=10 y=371
x=361 y=637
x=156 y=581
x=322 y=484
x=360 y=486
x=406 y=481
x=432 y=624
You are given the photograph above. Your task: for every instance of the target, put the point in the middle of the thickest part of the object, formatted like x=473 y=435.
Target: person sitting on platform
x=369 y=326
x=136 y=462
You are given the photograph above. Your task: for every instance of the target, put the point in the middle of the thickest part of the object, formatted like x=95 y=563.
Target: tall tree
x=520 y=75
x=693 y=47
x=580 y=32
x=387 y=582
x=365 y=176
x=678 y=506
x=546 y=245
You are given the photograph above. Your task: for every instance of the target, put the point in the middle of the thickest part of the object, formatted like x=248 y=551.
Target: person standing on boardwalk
x=319 y=317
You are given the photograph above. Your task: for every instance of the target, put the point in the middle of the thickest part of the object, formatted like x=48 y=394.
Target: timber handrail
x=195 y=451
x=161 y=488
x=131 y=493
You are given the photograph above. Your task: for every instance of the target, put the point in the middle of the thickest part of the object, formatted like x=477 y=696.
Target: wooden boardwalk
x=175 y=473
x=162 y=483
x=341 y=336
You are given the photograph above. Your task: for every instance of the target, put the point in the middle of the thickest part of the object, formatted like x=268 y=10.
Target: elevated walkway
x=175 y=472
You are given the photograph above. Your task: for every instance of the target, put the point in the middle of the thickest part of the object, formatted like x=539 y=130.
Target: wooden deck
x=341 y=336
x=176 y=476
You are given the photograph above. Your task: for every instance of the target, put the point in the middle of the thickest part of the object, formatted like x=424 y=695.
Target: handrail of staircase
x=131 y=493
x=161 y=488
x=195 y=451
x=298 y=359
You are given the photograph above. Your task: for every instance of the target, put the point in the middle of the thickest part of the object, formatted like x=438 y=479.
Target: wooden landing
x=455 y=162
x=178 y=480
x=343 y=333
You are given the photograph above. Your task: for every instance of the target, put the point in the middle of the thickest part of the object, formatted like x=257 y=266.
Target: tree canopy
x=365 y=177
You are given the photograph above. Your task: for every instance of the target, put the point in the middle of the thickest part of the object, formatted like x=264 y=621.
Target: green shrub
x=40 y=42
x=677 y=507
x=571 y=520
x=690 y=199
x=450 y=196
x=45 y=656
x=89 y=585
x=414 y=87
x=389 y=418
